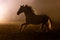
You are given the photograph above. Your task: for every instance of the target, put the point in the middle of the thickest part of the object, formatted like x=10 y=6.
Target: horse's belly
x=36 y=21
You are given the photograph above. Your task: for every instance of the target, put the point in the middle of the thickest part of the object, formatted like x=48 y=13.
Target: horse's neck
x=29 y=14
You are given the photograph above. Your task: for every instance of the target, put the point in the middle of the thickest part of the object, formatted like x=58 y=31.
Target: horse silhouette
x=31 y=18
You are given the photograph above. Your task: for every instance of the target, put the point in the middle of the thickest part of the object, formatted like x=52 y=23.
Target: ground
x=12 y=32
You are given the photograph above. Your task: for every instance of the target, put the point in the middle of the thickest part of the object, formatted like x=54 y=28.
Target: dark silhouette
x=31 y=18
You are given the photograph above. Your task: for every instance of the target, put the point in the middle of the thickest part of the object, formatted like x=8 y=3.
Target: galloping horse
x=31 y=18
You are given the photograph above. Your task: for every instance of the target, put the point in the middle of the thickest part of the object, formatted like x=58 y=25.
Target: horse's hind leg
x=49 y=25
x=42 y=27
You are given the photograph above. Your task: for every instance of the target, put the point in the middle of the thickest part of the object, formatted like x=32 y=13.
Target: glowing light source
x=2 y=12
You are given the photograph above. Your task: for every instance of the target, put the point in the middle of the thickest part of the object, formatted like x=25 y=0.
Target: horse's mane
x=30 y=8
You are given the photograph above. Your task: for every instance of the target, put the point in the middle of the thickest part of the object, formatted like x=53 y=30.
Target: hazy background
x=9 y=8
x=8 y=14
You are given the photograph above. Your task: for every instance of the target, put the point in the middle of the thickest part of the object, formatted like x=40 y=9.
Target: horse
x=32 y=18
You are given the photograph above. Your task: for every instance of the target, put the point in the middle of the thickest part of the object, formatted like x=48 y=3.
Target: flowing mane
x=30 y=8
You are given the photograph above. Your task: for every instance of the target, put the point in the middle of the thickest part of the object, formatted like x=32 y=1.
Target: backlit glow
x=2 y=12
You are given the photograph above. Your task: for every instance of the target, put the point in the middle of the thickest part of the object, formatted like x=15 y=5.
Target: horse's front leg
x=22 y=28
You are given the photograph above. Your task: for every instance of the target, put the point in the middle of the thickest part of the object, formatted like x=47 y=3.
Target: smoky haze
x=49 y=7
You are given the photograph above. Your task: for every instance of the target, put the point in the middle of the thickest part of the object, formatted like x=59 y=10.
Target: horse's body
x=37 y=19
x=31 y=18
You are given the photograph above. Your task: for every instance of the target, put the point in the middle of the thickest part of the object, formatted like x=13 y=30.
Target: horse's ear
x=22 y=5
x=26 y=5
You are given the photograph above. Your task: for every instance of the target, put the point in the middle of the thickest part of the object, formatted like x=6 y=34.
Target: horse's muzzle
x=17 y=14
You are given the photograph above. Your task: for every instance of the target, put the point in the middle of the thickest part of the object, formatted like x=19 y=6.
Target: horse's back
x=43 y=18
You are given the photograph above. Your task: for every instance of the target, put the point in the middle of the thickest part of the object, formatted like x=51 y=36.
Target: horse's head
x=20 y=10
x=27 y=9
